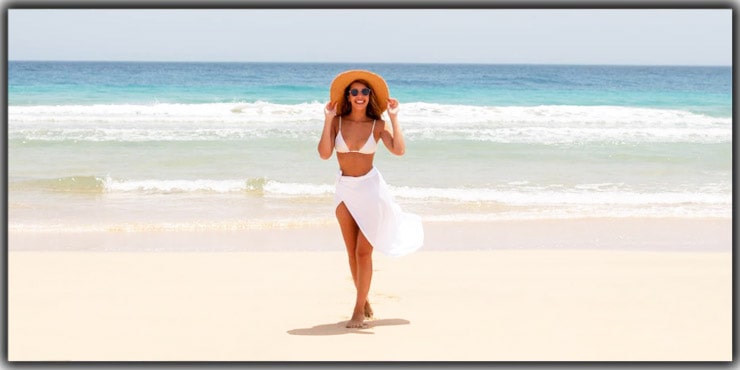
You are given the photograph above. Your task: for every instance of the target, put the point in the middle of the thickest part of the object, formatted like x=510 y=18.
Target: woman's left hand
x=393 y=106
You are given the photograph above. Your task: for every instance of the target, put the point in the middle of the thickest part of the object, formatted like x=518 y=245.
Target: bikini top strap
x=373 y=129
x=340 y=123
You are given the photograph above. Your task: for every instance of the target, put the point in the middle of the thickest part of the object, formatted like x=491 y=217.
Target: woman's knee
x=363 y=255
x=364 y=248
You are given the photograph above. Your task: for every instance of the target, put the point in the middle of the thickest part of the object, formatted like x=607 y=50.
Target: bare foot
x=368 y=310
x=357 y=321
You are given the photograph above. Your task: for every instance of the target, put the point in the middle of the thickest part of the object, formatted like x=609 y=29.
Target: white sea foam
x=295 y=189
x=421 y=121
x=549 y=196
x=506 y=194
x=175 y=186
x=309 y=204
x=260 y=186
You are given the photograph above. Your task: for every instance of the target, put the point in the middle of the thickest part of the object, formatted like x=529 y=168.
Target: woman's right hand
x=330 y=110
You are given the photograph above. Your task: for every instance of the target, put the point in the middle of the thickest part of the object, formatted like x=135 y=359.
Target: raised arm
x=326 y=143
x=393 y=137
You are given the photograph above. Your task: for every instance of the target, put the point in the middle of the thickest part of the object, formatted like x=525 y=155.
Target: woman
x=368 y=216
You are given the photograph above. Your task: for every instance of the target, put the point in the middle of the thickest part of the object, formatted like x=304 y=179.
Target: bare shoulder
x=380 y=124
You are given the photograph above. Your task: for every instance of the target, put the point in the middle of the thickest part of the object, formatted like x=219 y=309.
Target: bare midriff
x=355 y=164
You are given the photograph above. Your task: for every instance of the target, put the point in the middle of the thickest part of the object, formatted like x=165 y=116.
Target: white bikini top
x=341 y=146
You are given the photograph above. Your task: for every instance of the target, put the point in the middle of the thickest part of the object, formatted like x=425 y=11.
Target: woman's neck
x=357 y=115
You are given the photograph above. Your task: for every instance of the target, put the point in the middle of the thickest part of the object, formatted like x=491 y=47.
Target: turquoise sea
x=96 y=146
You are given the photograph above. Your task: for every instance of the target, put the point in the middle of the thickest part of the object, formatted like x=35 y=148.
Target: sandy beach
x=516 y=304
x=167 y=198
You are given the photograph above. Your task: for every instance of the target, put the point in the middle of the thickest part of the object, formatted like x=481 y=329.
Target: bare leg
x=350 y=230
x=351 y=233
x=364 y=258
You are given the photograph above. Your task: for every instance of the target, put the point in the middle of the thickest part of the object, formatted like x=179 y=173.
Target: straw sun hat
x=344 y=79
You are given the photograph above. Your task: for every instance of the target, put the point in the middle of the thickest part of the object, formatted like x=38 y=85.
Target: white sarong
x=387 y=228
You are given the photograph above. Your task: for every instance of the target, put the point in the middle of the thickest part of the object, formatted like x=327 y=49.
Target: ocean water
x=227 y=146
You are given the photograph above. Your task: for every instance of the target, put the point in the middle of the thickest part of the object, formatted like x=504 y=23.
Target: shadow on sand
x=338 y=328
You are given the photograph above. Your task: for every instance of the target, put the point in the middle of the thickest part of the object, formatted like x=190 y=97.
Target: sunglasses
x=364 y=91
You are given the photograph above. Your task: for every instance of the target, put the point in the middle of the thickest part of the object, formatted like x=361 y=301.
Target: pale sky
x=536 y=36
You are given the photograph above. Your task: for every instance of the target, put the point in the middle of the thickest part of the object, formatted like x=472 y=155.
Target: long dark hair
x=373 y=108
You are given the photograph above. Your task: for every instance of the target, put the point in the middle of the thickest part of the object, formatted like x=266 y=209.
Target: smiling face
x=359 y=101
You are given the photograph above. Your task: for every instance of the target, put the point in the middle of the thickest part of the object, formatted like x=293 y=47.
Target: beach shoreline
x=639 y=234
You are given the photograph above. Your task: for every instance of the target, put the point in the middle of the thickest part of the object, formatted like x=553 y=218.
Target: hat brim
x=344 y=79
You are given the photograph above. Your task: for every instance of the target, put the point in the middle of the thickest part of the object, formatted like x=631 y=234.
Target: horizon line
x=366 y=63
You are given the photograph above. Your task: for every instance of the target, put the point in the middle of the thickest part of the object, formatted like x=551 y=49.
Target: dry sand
x=488 y=305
